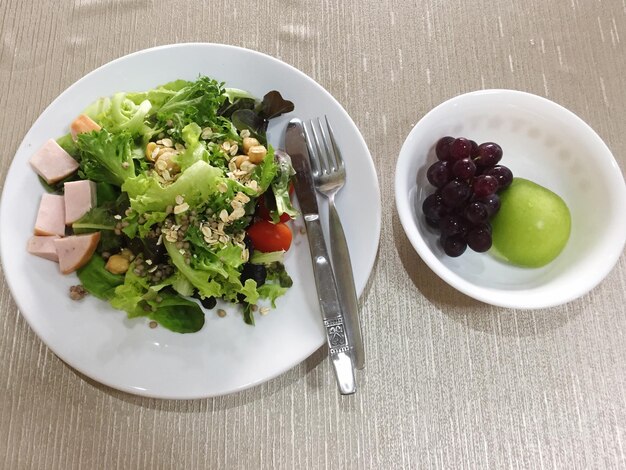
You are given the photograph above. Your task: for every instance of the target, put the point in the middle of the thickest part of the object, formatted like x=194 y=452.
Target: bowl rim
x=524 y=299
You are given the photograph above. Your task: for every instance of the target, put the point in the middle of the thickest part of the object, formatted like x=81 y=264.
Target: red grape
x=492 y=203
x=476 y=213
x=452 y=225
x=489 y=154
x=442 y=149
x=464 y=168
x=439 y=174
x=433 y=207
x=484 y=185
x=453 y=246
x=474 y=152
x=502 y=174
x=455 y=193
x=432 y=222
x=460 y=148
x=479 y=238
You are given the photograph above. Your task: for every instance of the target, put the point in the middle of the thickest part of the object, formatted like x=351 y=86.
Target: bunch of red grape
x=467 y=177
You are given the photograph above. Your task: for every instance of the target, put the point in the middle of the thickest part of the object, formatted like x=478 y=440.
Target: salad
x=171 y=194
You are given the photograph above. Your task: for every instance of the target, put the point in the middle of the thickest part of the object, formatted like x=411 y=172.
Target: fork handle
x=344 y=277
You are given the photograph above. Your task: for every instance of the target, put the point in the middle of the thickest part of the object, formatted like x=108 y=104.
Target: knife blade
x=339 y=349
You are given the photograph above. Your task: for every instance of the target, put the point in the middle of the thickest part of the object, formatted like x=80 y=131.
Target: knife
x=339 y=349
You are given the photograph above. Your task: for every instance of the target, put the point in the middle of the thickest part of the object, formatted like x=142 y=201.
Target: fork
x=329 y=175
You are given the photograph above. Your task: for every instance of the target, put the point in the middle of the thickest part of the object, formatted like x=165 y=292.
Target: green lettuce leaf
x=67 y=143
x=271 y=292
x=177 y=314
x=236 y=99
x=267 y=258
x=250 y=292
x=106 y=157
x=280 y=188
x=200 y=279
x=277 y=282
x=97 y=280
x=213 y=274
x=98 y=218
x=158 y=96
x=181 y=284
x=120 y=114
x=195 y=184
x=129 y=296
x=106 y=193
x=137 y=298
x=195 y=150
x=134 y=228
x=196 y=102
x=266 y=171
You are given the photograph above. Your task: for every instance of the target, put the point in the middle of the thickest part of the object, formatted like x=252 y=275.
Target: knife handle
x=342 y=268
x=336 y=337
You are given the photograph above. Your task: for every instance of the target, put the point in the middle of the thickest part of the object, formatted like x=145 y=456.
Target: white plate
x=226 y=355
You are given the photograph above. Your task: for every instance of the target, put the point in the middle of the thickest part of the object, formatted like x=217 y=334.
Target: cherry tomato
x=264 y=213
x=267 y=236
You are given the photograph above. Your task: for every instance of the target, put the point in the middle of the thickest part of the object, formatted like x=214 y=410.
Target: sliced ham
x=83 y=123
x=53 y=163
x=43 y=246
x=80 y=197
x=51 y=215
x=75 y=251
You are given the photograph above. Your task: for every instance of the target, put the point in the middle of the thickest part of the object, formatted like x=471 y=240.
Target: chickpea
x=249 y=142
x=240 y=159
x=149 y=150
x=126 y=253
x=117 y=264
x=165 y=162
x=257 y=153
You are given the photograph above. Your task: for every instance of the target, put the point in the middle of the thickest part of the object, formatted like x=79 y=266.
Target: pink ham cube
x=43 y=246
x=51 y=215
x=53 y=163
x=80 y=197
x=75 y=251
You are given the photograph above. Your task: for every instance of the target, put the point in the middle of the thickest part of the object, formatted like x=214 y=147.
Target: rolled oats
x=180 y=208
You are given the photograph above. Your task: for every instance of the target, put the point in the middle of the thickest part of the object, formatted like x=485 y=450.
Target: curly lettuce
x=120 y=114
x=196 y=184
x=106 y=157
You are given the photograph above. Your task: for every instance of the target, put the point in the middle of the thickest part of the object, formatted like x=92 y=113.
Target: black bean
x=256 y=272
x=207 y=302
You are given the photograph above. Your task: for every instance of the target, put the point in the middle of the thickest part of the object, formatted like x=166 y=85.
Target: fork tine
x=333 y=142
x=313 y=157
x=321 y=155
x=330 y=157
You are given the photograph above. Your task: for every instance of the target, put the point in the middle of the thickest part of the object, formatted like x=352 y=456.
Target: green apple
x=532 y=226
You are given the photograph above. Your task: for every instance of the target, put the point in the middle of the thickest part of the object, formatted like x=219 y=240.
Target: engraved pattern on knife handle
x=336 y=335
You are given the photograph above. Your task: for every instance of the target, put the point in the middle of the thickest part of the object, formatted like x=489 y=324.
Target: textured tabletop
x=450 y=382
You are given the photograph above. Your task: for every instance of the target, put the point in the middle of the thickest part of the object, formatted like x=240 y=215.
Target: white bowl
x=542 y=142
